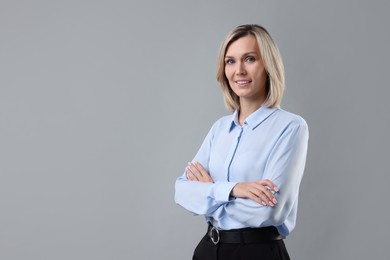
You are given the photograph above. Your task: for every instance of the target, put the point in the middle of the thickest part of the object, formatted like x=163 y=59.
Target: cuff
x=221 y=191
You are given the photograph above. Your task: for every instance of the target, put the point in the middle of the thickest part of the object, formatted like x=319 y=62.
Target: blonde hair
x=272 y=62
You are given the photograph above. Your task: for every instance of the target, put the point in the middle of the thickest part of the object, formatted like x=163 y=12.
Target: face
x=245 y=70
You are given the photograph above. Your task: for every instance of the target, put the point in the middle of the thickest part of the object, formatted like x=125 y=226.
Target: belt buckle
x=214 y=235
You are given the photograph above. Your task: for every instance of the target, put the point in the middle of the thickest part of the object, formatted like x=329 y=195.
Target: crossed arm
x=261 y=191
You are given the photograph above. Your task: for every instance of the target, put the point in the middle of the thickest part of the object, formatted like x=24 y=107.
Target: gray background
x=102 y=103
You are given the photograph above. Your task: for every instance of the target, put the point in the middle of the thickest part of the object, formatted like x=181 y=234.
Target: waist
x=243 y=235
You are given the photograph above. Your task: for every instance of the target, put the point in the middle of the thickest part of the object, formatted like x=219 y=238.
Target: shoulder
x=285 y=123
x=223 y=122
x=225 y=119
x=289 y=119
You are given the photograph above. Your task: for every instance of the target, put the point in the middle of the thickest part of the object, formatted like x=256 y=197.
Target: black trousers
x=272 y=250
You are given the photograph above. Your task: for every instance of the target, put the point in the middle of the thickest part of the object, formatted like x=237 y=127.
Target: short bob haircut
x=272 y=62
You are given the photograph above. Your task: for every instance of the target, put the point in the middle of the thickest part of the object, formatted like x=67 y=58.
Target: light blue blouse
x=271 y=144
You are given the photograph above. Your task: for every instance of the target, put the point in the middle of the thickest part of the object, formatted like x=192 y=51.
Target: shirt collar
x=254 y=119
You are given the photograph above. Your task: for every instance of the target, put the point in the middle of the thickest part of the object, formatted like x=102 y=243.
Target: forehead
x=243 y=45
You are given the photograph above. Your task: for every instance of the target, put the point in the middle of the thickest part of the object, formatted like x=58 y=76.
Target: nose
x=240 y=68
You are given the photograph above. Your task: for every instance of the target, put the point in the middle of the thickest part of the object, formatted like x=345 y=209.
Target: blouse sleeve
x=202 y=198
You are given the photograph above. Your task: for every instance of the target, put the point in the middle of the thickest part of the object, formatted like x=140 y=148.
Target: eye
x=229 y=61
x=250 y=59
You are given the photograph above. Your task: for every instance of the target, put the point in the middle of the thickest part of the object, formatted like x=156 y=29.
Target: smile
x=243 y=82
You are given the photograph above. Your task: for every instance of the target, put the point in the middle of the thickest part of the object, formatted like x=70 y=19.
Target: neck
x=247 y=108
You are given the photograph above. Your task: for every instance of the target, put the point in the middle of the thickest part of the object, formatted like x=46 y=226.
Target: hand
x=196 y=172
x=259 y=191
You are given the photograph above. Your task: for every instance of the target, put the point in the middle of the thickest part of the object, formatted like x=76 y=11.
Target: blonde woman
x=245 y=177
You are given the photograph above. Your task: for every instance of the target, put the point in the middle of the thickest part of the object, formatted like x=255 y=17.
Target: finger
x=259 y=198
x=203 y=171
x=262 y=196
x=269 y=196
x=253 y=191
x=266 y=195
x=270 y=184
x=190 y=175
x=200 y=168
x=249 y=190
x=194 y=170
x=254 y=197
x=203 y=177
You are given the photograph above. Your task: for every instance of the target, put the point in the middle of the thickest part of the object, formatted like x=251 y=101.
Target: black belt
x=244 y=235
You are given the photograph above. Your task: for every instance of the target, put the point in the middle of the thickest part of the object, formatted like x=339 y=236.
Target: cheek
x=259 y=74
x=228 y=73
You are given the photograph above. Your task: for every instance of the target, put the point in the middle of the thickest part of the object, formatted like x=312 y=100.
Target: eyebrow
x=245 y=54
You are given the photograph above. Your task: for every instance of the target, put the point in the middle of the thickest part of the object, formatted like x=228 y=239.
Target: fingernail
x=265 y=204
x=276 y=189
x=271 y=204
x=274 y=201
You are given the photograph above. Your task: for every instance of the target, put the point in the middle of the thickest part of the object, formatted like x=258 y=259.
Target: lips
x=243 y=83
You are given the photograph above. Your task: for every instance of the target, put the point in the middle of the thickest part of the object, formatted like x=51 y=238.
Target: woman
x=245 y=177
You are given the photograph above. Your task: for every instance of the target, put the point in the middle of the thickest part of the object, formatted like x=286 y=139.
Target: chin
x=243 y=94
